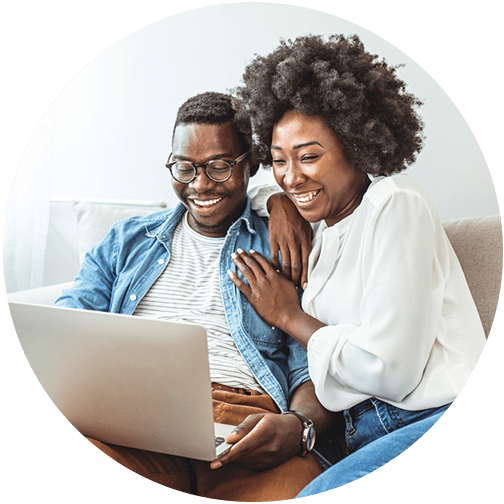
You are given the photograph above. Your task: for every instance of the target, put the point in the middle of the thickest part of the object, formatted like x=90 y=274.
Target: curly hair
x=361 y=99
x=214 y=108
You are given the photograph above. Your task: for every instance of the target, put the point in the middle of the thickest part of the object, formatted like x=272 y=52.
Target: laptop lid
x=125 y=380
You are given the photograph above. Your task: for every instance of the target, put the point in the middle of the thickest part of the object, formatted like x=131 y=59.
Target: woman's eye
x=309 y=158
x=278 y=161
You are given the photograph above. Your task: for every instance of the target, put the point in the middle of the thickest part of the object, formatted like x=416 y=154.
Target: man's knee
x=167 y=470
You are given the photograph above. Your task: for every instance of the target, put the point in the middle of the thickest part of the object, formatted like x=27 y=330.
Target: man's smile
x=204 y=203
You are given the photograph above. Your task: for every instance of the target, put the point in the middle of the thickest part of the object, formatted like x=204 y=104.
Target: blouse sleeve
x=402 y=290
x=259 y=195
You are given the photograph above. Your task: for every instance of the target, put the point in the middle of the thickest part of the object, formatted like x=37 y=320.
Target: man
x=174 y=265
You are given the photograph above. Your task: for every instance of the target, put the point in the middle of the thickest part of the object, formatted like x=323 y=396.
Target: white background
x=107 y=133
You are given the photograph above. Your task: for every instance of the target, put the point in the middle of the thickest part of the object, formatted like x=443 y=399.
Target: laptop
x=124 y=380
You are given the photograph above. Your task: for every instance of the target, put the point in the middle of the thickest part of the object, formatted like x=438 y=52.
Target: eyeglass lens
x=216 y=170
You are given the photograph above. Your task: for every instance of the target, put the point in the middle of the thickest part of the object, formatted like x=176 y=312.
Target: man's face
x=212 y=206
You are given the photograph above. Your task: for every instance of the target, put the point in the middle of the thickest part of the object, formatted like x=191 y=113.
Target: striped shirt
x=189 y=290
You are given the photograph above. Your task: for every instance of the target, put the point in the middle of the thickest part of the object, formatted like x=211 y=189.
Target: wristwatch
x=308 y=435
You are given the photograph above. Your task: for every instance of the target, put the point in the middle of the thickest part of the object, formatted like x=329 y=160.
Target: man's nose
x=201 y=183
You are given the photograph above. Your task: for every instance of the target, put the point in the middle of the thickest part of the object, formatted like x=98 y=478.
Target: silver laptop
x=124 y=380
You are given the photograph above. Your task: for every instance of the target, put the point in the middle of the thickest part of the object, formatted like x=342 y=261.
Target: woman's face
x=310 y=166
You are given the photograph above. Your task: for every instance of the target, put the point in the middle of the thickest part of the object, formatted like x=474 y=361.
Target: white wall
x=113 y=122
x=110 y=128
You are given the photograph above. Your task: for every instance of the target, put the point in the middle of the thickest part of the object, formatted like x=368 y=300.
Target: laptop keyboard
x=218 y=441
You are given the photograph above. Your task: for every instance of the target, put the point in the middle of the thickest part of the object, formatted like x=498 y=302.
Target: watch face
x=310 y=439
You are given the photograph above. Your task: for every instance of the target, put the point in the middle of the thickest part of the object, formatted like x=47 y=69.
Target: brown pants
x=231 y=482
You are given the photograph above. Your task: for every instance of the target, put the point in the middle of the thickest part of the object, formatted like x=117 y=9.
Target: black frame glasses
x=206 y=166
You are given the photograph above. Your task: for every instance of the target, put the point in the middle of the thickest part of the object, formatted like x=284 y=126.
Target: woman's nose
x=293 y=175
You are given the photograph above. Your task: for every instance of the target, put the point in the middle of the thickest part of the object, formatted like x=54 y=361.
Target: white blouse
x=401 y=323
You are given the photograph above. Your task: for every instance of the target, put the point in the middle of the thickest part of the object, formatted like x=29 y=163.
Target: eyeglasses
x=217 y=170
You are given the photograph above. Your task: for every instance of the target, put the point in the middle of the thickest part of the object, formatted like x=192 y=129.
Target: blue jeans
x=376 y=433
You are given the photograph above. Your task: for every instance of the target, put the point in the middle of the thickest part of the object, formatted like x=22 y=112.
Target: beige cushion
x=477 y=241
x=94 y=221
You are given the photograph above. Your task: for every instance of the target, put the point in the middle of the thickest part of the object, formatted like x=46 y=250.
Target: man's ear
x=254 y=169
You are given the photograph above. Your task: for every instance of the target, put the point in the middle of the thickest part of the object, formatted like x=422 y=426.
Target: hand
x=263 y=441
x=290 y=235
x=272 y=296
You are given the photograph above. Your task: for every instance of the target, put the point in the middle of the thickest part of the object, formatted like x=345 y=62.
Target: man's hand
x=263 y=441
x=290 y=235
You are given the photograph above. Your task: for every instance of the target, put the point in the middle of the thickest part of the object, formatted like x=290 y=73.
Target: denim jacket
x=119 y=270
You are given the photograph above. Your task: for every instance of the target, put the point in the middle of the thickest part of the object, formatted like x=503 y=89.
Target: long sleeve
x=394 y=323
x=259 y=195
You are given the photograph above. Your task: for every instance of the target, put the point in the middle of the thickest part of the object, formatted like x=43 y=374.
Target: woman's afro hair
x=360 y=98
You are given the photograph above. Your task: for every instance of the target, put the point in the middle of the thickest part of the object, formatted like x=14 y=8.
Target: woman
x=390 y=327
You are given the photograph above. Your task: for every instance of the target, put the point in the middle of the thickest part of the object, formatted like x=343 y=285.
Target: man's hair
x=214 y=108
x=360 y=98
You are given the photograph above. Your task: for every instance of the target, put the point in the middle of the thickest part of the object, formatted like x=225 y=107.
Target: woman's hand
x=272 y=296
x=290 y=235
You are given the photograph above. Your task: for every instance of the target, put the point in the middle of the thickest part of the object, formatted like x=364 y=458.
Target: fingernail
x=251 y=251
x=233 y=256
x=230 y=273
x=240 y=251
x=215 y=465
x=305 y=285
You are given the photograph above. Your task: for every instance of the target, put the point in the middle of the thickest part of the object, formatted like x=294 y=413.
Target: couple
x=386 y=330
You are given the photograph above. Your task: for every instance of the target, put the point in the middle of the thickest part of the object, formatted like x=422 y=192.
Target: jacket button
x=133 y=297
x=161 y=261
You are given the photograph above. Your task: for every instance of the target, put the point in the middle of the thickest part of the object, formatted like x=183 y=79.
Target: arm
x=289 y=234
x=266 y=440
x=305 y=401
x=385 y=354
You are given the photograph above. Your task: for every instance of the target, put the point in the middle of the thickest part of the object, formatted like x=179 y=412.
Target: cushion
x=94 y=220
x=477 y=241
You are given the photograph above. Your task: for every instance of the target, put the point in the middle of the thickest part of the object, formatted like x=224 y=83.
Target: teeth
x=206 y=203
x=306 y=197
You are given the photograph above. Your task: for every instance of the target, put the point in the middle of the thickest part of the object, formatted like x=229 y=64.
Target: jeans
x=376 y=433
x=372 y=419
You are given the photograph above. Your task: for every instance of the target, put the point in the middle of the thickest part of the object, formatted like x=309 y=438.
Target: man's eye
x=184 y=169
x=219 y=165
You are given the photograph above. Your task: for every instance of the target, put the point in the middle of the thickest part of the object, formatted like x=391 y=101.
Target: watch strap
x=307 y=426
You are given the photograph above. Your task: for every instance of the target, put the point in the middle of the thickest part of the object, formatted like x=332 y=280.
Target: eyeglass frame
x=195 y=166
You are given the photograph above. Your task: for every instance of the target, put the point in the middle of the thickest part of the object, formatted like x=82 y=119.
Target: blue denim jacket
x=118 y=272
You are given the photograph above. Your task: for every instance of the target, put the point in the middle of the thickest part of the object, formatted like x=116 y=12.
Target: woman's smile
x=310 y=165
x=306 y=197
